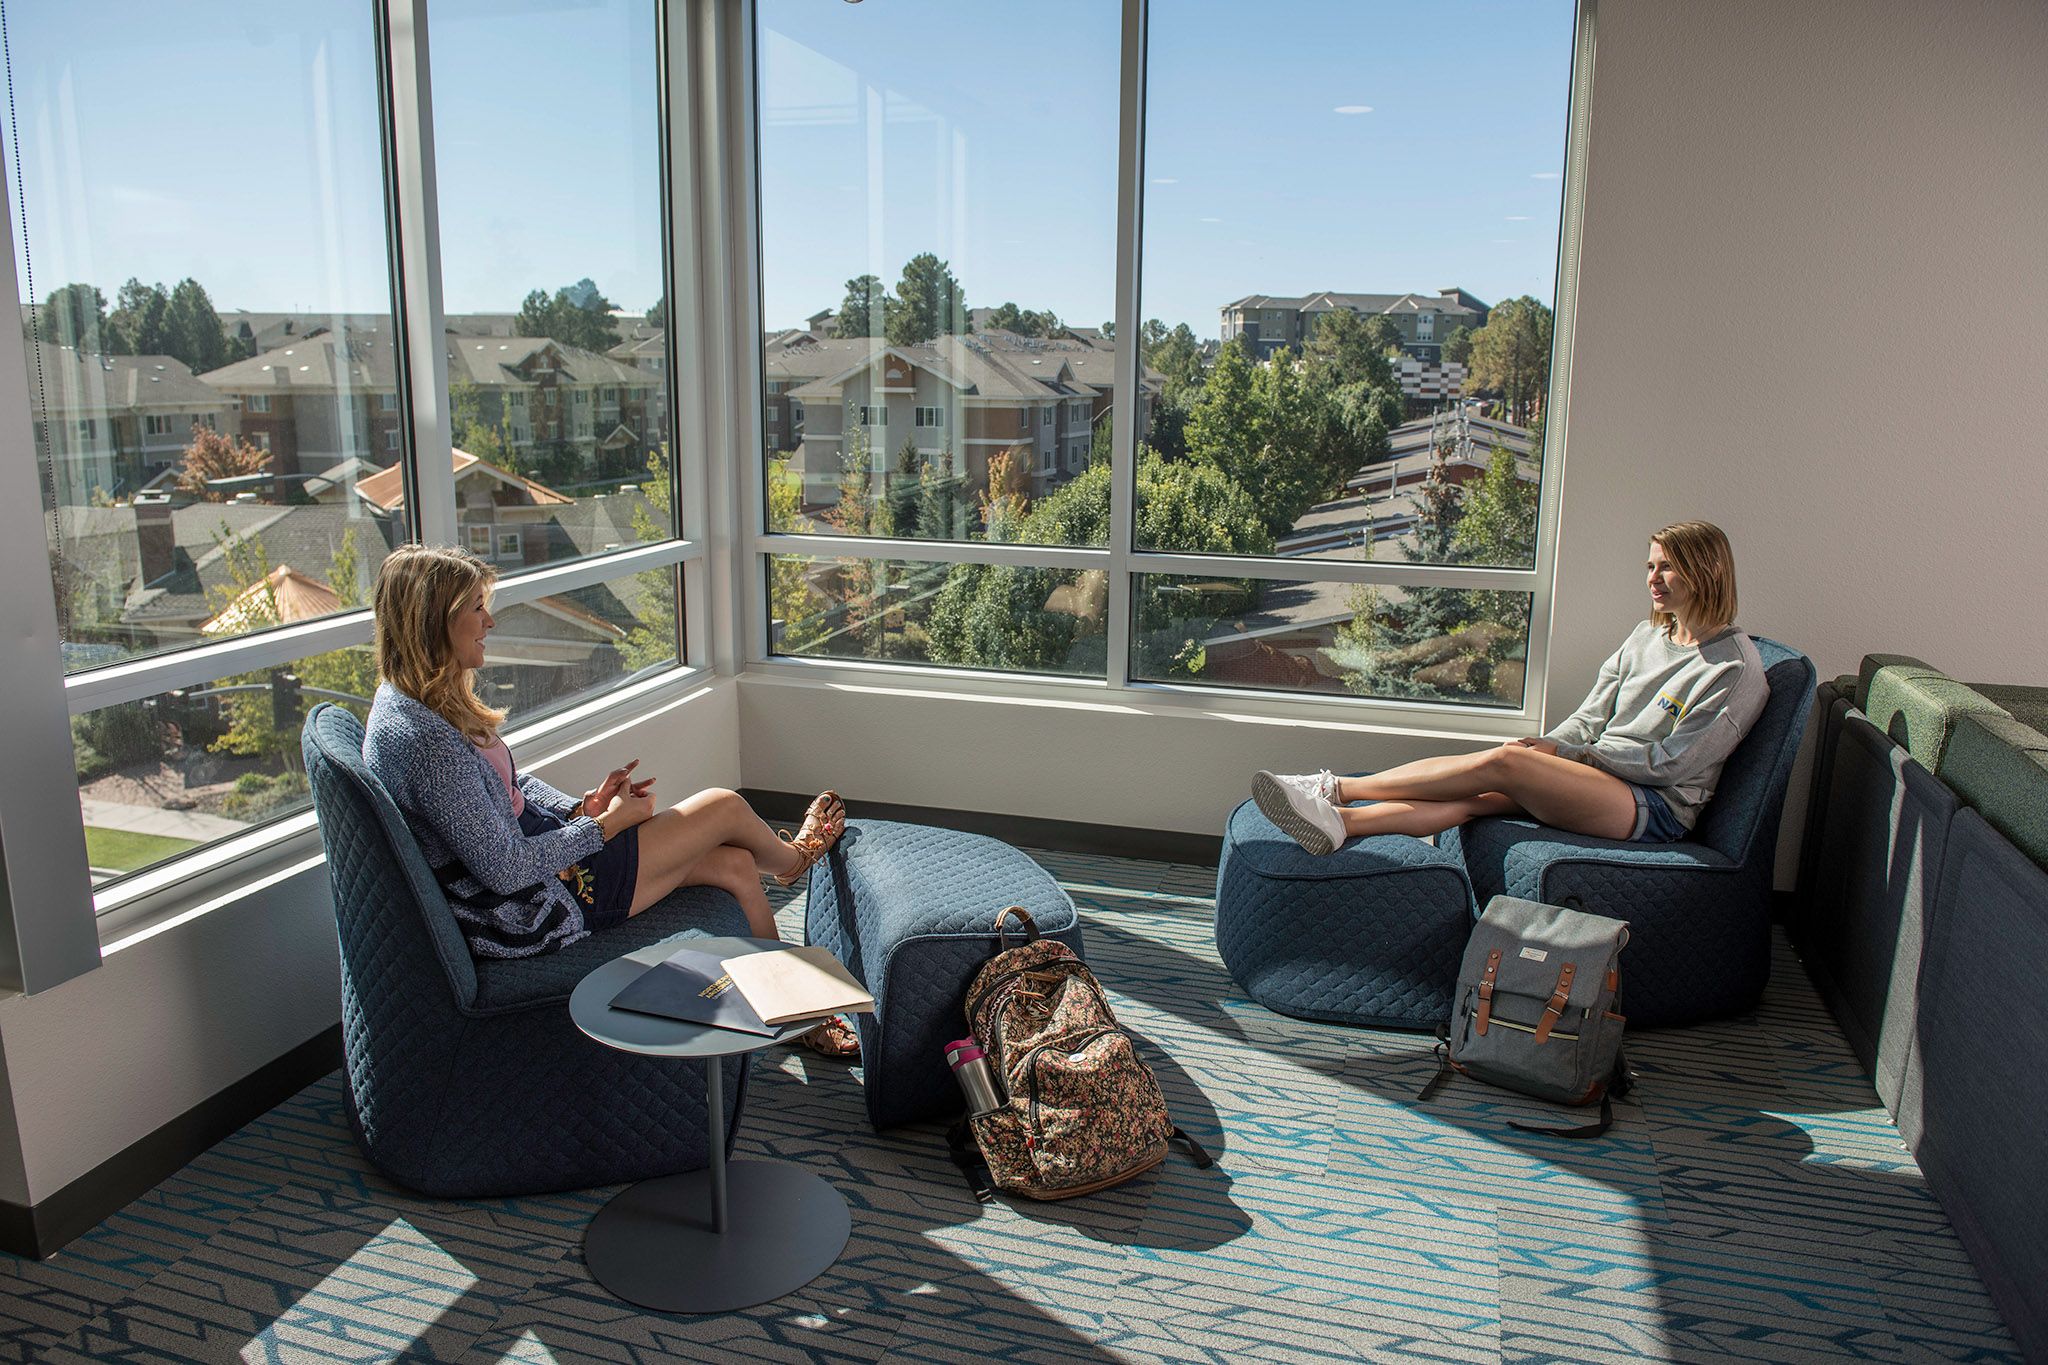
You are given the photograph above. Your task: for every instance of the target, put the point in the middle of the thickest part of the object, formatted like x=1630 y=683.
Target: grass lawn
x=120 y=850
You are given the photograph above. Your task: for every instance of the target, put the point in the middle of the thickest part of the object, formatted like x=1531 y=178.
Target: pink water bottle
x=977 y=1082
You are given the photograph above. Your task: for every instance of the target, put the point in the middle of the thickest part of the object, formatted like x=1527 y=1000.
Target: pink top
x=500 y=759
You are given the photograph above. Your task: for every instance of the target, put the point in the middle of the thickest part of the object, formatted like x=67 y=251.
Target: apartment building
x=111 y=424
x=1268 y=322
x=332 y=397
x=977 y=396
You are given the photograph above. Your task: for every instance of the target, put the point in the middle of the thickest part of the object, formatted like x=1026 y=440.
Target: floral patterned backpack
x=1081 y=1110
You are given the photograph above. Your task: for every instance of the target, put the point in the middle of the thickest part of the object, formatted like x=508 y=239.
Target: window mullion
x=1556 y=404
x=47 y=931
x=1129 y=372
x=416 y=240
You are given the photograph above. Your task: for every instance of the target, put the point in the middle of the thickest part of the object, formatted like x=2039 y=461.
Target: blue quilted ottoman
x=909 y=909
x=1370 y=934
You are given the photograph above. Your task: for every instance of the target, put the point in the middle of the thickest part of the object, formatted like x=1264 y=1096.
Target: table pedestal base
x=653 y=1244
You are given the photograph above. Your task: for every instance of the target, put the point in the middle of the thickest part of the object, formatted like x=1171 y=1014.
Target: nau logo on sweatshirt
x=1672 y=705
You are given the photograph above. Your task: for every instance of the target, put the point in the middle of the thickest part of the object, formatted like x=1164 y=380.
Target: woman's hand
x=628 y=808
x=1538 y=743
x=599 y=797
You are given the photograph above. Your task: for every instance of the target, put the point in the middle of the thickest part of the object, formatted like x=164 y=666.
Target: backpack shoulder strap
x=967 y=1156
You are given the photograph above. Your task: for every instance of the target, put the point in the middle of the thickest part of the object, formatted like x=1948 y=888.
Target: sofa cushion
x=1918 y=705
x=2000 y=768
x=2027 y=705
x=517 y=983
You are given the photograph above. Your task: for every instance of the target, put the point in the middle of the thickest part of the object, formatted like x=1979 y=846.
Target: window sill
x=140 y=907
x=1351 y=715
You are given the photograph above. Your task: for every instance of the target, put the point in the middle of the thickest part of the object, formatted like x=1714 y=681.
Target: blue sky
x=238 y=144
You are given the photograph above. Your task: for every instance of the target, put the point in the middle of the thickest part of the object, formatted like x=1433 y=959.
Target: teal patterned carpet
x=1752 y=1203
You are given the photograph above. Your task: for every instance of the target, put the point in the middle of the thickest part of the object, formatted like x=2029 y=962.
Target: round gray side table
x=731 y=1235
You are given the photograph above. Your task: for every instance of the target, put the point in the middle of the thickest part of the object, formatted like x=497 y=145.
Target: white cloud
x=1165 y=180
x=1212 y=220
x=1518 y=218
x=1352 y=109
x=1543 y=175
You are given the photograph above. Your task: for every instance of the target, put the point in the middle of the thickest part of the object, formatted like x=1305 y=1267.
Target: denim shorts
x=1655 y=824
x=602 y=883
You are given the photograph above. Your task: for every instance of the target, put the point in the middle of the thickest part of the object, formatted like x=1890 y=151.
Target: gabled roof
x=64 y=379
x=385 y=490
x=285 y=595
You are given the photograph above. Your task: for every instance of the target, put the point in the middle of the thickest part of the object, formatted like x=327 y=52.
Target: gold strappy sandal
x=833 y=1038
x=824 y=822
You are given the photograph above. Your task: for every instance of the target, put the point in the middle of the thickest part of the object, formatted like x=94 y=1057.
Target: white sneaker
x=1303 y=807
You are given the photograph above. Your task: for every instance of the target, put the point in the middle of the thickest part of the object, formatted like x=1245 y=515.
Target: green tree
x=1268 y=427
x=140 y=324
x=652 y=638
x=1003 y=616
x=862 y=311
x=1024 y=321
x=74 y=315
x=1458 y=345
x=471 y=432
x=1108 y=329
x=1383 y=334
x=929 y=303
x=577 y=315
x=790 y=599
x=192 y=330
x=657 y=316
x=1511 y=355
x=1420 y=642
x=1177 y=356
x=1498 y=527
x=1341 y=351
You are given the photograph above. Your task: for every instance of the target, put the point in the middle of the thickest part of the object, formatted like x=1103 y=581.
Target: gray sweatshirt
x=1667 y=716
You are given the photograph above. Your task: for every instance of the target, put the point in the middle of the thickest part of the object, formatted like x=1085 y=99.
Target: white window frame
x=478 y=537
x=508 y=543
x=1124 y=563
x=156 y=424
x=53 y=922
x=931 y=418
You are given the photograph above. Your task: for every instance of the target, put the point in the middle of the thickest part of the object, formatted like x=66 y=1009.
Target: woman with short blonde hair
x=526 y=868
x=1638 y=760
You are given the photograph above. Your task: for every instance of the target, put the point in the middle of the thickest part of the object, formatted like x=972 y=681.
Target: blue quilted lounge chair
x=466 y=1079
x=1699 y=910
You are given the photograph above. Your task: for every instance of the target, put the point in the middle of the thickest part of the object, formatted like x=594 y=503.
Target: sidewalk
x=171 y=824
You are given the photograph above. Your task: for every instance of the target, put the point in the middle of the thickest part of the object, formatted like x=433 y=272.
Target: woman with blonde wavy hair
x=526 y=868
x=1638 y=760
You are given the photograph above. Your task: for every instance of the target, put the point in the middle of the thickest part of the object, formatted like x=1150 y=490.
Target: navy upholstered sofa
x=1922 y=916
x=467 y=1079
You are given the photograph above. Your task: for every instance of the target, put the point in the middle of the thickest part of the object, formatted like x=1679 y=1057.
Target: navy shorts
x=603 y=882
x=1655 y=824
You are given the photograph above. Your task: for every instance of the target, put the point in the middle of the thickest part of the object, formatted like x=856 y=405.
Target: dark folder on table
x=692 y=986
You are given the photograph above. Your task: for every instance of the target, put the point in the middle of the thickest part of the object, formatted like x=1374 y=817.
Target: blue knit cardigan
x=502 y=883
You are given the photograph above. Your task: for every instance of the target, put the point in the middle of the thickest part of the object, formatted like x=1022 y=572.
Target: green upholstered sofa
x=1922 y=915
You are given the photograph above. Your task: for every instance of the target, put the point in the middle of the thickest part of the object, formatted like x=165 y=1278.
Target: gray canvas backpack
x=1535 y=1008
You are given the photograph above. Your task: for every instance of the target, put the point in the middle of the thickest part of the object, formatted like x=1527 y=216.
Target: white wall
x=1815 y=257
x=103 y=1060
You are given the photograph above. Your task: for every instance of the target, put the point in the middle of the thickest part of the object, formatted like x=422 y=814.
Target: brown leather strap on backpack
x=1017 y=912
x=1559 y=998
x=1486 y=993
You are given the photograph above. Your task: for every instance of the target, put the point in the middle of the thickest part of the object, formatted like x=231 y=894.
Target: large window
x=938 y=262
x=551 y=264
x=225 y=385
x=203 y=348
x=1336 y=450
